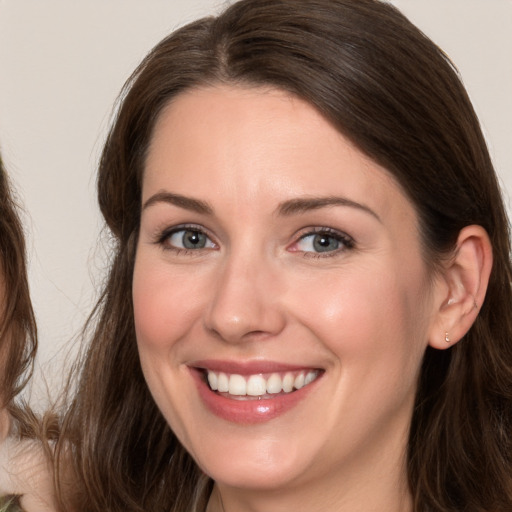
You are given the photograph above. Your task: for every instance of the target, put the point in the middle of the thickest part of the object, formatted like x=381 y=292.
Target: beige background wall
x=62 y=64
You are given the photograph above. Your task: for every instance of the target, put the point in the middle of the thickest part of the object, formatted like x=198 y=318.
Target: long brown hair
x=18 y=334
x=399 y=99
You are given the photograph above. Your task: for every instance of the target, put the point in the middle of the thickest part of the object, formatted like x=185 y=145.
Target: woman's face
x=283 y=266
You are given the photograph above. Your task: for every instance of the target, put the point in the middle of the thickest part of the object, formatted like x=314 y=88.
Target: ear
x=460 y=289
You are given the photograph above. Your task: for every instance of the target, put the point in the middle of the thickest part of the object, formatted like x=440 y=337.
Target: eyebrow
x=188 y=203
x=302 y=205
x=287 y=208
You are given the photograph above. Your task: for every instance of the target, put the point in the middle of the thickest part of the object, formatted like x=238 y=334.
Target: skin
x=363 y=313
x=24 y=469
x=24 y=472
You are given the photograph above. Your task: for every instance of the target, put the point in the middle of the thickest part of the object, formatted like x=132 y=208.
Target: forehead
x=246 y=140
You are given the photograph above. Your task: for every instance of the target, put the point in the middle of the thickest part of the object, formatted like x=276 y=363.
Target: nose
x=245 y=303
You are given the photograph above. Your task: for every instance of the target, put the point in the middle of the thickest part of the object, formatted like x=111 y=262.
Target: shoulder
x=25 y=472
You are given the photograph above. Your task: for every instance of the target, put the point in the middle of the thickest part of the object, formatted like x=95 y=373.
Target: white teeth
x=222 y=383
x=257 y=385
x=288 y=382
x=274 y=384
x=213 y=381
x=299 y=381
x=237 y=385
x=310 y=377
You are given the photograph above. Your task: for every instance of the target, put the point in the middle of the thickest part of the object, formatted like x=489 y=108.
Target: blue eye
x=189 y=239
x=323 y=242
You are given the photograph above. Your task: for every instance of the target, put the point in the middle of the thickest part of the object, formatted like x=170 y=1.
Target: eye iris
x=324 y=243
x=194 y=240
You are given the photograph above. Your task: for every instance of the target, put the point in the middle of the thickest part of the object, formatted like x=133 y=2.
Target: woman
x=301 y=312
x=24 y=474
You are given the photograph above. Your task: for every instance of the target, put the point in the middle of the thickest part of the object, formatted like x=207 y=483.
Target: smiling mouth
x=259 y=386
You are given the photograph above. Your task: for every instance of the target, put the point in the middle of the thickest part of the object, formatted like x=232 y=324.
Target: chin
x=263 y=463
x=254 y=476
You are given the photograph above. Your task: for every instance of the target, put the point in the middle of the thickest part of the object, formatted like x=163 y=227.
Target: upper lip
x=248 y=367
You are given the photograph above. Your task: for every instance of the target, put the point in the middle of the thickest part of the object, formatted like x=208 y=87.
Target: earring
x=446 y=337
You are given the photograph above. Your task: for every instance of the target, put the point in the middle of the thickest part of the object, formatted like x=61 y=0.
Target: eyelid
x=346 y=240
x=164 y=234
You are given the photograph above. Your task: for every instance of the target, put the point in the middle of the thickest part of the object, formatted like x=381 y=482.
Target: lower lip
x=252 y=411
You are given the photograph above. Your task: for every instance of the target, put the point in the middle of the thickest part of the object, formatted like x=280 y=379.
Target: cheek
x=163 y=316
x=164 y=304
x=368 y=322
x=370 y=313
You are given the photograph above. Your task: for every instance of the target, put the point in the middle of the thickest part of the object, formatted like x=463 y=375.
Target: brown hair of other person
x=18 y=333
x=398 y=98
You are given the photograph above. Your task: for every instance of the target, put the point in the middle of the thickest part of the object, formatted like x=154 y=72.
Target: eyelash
x=347 y=242
x=162 y=239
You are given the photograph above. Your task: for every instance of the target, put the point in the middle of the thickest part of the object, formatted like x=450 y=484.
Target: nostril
x=241 y=336
x=242 y=310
